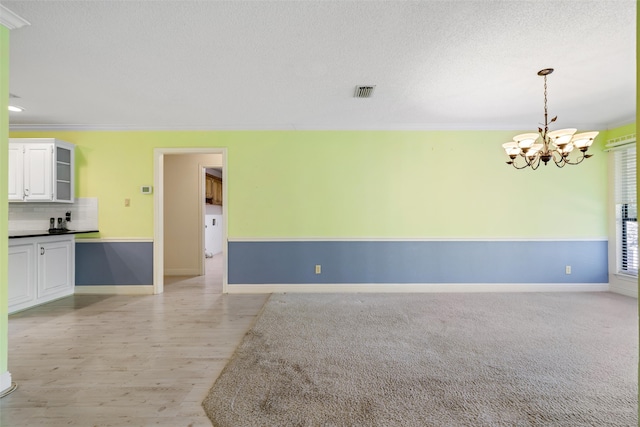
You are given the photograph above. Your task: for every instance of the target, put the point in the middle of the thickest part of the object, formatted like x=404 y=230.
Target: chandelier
x=531 y=149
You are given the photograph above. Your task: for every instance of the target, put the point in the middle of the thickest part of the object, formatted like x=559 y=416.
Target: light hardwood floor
x=91 y=360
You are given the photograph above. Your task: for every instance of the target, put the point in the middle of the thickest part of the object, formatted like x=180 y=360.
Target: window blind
x=626 y=210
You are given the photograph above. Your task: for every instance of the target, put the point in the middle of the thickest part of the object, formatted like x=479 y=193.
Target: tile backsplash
x=35 y=216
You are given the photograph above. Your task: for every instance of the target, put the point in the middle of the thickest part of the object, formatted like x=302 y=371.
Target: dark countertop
x=40 y=233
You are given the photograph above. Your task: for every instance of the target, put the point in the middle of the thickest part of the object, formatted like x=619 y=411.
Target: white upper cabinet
x=37 y=176
x=16 y=173
x=41 y=170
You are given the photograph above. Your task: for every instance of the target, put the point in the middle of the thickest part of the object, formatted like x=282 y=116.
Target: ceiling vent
x=364 y=91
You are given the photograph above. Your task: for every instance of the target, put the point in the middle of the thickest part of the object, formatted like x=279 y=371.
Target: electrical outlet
x=127 y=203
x=318 y=269
x=567 y=269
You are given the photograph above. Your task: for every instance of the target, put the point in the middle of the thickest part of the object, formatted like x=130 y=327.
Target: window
x=626 y=210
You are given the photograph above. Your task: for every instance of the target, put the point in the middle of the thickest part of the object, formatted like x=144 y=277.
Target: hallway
x=101 y=360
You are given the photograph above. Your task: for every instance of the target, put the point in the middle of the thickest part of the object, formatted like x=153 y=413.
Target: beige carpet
x=514 y=359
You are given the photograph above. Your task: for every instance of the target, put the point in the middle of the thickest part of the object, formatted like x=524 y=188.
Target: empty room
x=318 y=213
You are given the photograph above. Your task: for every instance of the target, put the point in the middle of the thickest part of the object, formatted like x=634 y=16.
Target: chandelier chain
x=546 y=128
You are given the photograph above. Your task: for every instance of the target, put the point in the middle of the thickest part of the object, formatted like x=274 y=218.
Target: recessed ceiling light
x=15 y=108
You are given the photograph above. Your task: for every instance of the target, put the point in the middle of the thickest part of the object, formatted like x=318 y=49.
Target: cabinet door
x=22 y=281
x=64 y=175
x=38 y=175
x=217 y=191
x=209 y=186
x=55 y=274
x=16 y=171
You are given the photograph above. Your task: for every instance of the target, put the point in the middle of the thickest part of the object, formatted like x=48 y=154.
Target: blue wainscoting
x=384 y=261
x=114 y=263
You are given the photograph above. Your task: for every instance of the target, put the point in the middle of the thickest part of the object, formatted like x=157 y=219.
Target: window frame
x=625 y=264
x=626 y=208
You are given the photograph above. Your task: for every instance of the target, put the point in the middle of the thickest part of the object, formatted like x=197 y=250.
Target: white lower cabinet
x=41 y=269
x=22 y=275
x=54 y=268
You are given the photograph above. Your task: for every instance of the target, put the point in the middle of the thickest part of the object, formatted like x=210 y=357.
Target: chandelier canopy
x=531 y=149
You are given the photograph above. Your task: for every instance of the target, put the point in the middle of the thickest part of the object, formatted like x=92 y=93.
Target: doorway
x=213 y=218
x=213 y=226
x=159 y=212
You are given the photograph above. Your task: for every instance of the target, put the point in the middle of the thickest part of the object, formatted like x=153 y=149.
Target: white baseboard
x=418 y=287
x=5 y=382
x=80 y=239
x=624 y=284
x=181 y=272
x=625 y=290
x=115 y=290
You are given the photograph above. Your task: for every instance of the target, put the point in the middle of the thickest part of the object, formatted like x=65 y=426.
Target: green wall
x=343 y=184
x=4 y=185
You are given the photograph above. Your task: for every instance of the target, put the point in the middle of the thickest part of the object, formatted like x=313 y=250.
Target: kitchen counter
x=40 y=233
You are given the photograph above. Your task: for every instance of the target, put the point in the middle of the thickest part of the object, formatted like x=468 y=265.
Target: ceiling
x=295 y=64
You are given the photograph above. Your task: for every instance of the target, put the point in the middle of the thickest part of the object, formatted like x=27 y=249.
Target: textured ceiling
x=295 y=64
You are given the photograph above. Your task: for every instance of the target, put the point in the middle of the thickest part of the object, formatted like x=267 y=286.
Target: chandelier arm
x=536 y=165
x=526 y=165
x=578 y=160
x=559 y=162
x=529 y=161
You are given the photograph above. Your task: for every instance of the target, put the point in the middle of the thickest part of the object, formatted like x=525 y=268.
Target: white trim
x=418 y=287
x=413 y=239
x=620 y=288
x=202 y=190
x=158 y=222
x=5 y=382
x=620 y=142
x=225 y=225
x=182 y=272
x=619 y=147
x=114 y=290
x=114 y=240
x=193 y=150
x=626 y=277
x=35 y=127
x=624 y=284
x=298 y=127
x=11 y=20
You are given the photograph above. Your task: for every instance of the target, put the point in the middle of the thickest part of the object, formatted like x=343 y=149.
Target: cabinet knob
x=41 y=251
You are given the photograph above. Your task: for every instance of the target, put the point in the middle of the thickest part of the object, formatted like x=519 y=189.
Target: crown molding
x=11 y=20
x=25 y=127
x=622 y=122
x=36 y=127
